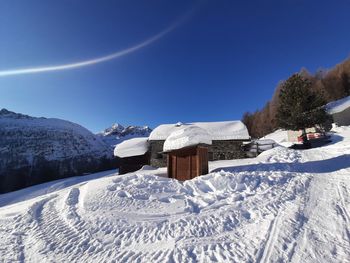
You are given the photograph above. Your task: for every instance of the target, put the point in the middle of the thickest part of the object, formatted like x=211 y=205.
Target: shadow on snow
x=320 y=166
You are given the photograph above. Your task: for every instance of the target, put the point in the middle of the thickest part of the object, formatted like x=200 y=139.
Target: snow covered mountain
x=118 y=133
x=34 y=150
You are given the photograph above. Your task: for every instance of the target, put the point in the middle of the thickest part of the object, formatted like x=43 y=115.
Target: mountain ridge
x=37 y=149
x=118 y=133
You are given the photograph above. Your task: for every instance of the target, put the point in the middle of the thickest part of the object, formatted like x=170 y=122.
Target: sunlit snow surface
x=284 y=206
x=338 y=105
x=187 y=136
x=132 y=147
x=279 y=136
x=223 y=130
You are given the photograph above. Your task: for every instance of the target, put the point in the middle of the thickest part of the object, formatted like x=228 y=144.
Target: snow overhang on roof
x=190 y=135
x=132 y=147
x=338 y=105
x=225 y=130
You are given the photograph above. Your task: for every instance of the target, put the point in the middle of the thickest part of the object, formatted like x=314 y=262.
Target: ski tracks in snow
x=287 y=219
x=341 y=189
x=62 y=230
x=266 y=212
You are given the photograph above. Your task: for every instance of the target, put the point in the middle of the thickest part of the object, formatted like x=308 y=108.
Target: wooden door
x=185 y=164
x=203 y=160
x=183 y=168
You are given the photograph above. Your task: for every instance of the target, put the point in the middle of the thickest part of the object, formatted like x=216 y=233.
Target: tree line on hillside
x=331 y=85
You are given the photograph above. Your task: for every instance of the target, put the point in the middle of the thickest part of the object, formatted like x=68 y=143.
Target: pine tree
x=299 y=107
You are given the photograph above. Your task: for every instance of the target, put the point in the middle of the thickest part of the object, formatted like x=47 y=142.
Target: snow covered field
x=284 y=206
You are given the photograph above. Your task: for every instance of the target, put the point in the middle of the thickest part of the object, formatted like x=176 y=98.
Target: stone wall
x=219 y=150
x=157 y=158
x=226 y=150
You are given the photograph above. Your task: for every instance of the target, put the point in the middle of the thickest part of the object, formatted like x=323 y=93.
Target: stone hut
x=132 y=154
x=227 y=140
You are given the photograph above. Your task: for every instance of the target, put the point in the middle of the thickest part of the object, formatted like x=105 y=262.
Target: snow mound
x=279 y=136
x=188 y=136
x=225 y=130
x=338 y=105
x=342 y=130
x=132 y=147
x=261 y=145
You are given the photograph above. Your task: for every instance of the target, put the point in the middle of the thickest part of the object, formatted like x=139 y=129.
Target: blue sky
x=224 y=59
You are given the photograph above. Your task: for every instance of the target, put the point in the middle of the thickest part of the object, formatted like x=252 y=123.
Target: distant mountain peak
x=140 y=130
x=118 y=133
x=117 y=126
x=115 y=129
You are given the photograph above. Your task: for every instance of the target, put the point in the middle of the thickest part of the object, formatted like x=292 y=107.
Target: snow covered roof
x=132 y=147
x=338 y=105
x=186 y=136
x=225 y=130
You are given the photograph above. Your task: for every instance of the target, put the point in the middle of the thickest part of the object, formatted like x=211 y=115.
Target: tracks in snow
x=61 y=229
x=341 y=189
x=287 y=220
x=325 y=237
x=261 y=213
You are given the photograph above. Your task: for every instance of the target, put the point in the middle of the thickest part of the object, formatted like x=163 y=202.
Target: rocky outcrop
x=118 y=133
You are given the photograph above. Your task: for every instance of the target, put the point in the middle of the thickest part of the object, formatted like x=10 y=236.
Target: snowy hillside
x=118 y=133
x=32 y=149
x=284 y=206
x=338 y=105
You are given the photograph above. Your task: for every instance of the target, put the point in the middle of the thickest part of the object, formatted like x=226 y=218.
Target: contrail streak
x=33 y=70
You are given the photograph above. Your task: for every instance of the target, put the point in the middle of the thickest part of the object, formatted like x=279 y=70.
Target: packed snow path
x=284 y=206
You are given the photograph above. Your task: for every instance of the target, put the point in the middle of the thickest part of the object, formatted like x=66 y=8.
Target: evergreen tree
x=300 y=107
x=346 y=83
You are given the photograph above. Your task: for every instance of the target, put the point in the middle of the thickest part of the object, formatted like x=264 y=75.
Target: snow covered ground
x=280 y=136
x=338 y=105
x=284 y=206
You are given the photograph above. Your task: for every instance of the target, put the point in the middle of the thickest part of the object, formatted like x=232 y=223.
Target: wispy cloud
x=89 y=62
